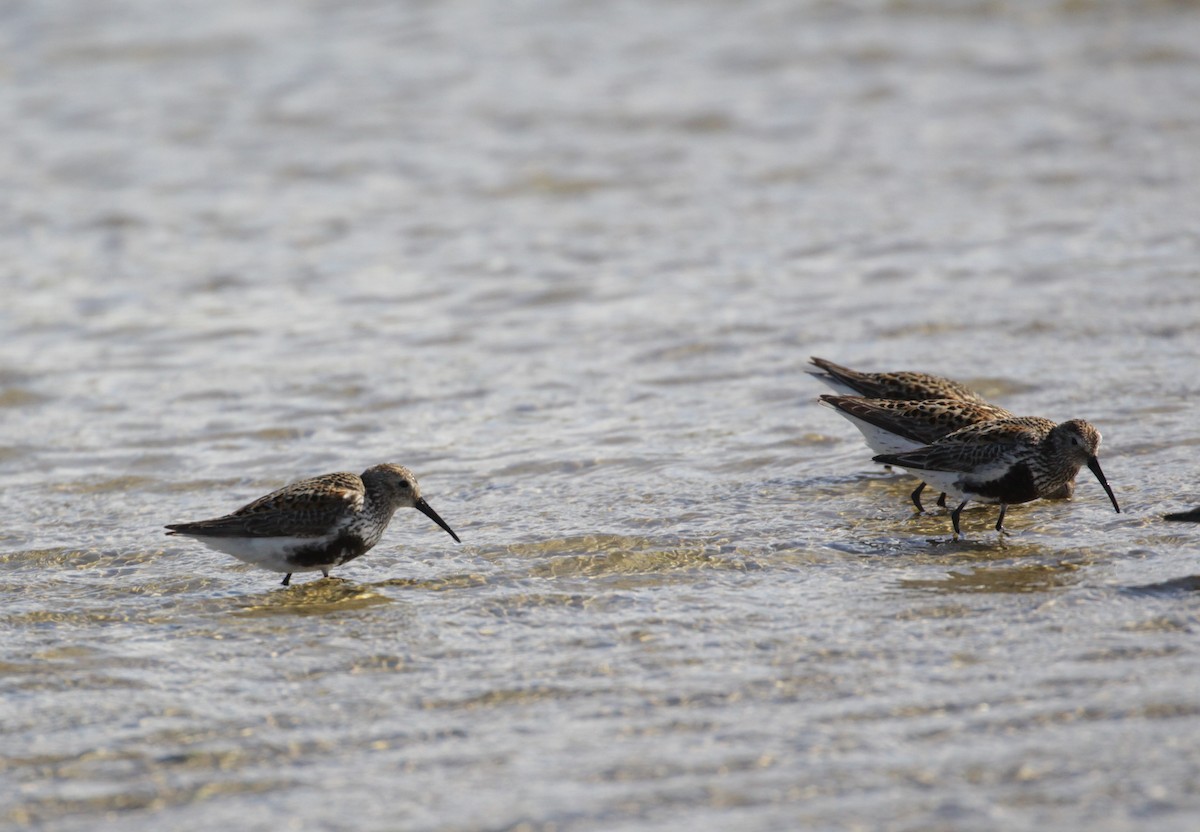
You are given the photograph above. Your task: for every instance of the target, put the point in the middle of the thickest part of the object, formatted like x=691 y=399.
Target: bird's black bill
x=424 y=508
x=1094 y=465
x=1192 y=516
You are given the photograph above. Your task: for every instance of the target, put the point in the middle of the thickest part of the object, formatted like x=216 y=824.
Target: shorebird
x=903 y=385
x=314 y=524
x=1005 y=461
x=892 y=426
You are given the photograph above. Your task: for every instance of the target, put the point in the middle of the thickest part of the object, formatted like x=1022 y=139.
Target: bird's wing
x=939 y=457
x=844 y=378
x=975 y=449
x=309 y=508
x=918 y=421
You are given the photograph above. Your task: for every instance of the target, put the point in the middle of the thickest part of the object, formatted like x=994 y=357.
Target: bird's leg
x=916 y=498
x=942 y=500
x=287 y=579
x=954 y=517
x=1000 y=519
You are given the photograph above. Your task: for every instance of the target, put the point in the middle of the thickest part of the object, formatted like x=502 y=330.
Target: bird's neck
x=376 y=513
x=1055 y=472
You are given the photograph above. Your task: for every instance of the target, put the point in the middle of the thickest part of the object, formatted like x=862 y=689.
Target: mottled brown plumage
x=896 y=385
x=897 y=425
x=1006 y=461
x=901 y=410
x=917 y=421
x=314 y=524
x=308 y=508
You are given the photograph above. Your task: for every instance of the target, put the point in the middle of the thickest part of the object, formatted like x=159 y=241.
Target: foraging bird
x=1005 y=461
x=314 y=524
x=896 y=423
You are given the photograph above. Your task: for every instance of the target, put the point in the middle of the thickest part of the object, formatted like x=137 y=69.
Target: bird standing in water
x=1005 y=461
x=315 y=524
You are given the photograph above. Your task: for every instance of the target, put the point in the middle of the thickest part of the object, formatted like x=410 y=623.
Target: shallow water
x=568 y=263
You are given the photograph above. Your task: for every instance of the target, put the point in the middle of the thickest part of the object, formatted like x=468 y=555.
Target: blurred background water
x=567 y=261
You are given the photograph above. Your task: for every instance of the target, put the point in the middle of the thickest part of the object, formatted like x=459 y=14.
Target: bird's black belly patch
x=1016 y=486
x=339 y=550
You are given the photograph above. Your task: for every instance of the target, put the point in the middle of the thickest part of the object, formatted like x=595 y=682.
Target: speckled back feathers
x=318 y=506
x=899 y=385
x=922 y=421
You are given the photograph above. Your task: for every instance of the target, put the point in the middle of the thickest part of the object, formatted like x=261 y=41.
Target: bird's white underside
x=265 y=552
x=958 y=485
x=879 y=440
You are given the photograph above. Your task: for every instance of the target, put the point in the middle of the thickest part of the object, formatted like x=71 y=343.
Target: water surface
x=567 y=261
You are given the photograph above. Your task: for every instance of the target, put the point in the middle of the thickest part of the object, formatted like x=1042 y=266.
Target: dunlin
x=1005 y=461
x=314 y=524
x=903 y=385
x=892 y=426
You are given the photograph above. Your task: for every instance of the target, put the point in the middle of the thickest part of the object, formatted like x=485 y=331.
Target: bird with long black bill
x=315 y=524
x=1005 y=461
